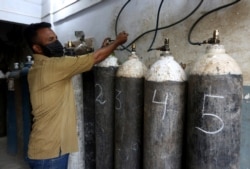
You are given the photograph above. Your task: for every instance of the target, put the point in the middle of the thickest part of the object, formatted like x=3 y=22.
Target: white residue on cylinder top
x=216 y=62
x=166 y=69
x=132 y=68
x=111 y=60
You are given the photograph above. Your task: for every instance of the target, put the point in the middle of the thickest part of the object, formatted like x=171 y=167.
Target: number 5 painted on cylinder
x=212 y=115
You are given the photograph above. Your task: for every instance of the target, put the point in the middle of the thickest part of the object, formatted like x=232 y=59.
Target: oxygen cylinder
x=76 y=159
x=214 y=110
x=164 y=106
x=12 y=135
x=26 y=105
x=129 y=86
x=88 y=87
x=89 y=119
x=19 y=113
x=105 y=73
x=3 y=96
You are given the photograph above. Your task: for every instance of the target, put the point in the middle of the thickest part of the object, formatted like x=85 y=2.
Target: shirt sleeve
x=66 y=67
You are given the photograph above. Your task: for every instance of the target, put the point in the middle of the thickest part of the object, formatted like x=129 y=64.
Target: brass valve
x=133 y=47
x=214 y=40
x=165 y=47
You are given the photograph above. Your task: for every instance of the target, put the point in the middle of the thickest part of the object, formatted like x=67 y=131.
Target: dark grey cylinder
x=164 y=106
x=128 y=122
x=3 y=107
x=26 y=107
x=89 y=119
x=213 y=128
x=19 y=115
x=104 y=117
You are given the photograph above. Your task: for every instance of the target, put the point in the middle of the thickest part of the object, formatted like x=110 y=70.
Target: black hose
x=156 y=27
x=152 y=30
x=116 y=23
x=199 y=19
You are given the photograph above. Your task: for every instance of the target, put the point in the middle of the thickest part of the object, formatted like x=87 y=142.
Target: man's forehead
x=45 y=32
x=44 y=35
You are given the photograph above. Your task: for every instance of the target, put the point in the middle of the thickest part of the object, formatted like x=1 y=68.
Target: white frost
x=108 y=62
x=166 y=69
x=132 y=68
x=216 y=62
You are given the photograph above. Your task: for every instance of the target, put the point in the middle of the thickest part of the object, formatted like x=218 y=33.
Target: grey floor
x=8 y=161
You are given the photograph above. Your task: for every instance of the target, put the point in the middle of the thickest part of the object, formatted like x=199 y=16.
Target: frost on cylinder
x=166 y=69
x=104 y=116
x=111 y=60
x=216 y=62
x=76 y=159
x=132 y=68
x=108 y=62
x=129 y=94
x=214 y=111
x=105 y=72
x=164 y=106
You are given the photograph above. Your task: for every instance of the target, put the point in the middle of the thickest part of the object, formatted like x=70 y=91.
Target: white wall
x=21 y=11
x=56 y=10
x=140 y=15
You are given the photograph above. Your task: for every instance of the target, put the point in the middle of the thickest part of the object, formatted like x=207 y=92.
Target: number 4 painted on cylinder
x=163 y=103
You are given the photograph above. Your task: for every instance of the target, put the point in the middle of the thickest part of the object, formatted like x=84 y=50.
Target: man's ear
x=37 y=49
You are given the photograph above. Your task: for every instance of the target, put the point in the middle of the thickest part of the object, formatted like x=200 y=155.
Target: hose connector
x=214 y=40
x=165 y=47
x=133 y=47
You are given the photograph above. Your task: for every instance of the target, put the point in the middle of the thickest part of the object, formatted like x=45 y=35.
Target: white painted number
x=100 y=98
x=119 y=105
x=163 y=103
x=212 y=115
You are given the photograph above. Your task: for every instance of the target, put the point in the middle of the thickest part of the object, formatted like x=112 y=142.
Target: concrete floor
x=8 y=161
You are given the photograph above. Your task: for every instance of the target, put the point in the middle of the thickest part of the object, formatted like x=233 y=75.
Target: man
x=54 y=134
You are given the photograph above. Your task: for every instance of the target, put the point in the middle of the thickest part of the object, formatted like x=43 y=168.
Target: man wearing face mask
x=54 y=133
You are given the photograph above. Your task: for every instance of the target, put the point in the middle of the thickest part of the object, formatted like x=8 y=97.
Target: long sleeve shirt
x=54 y=129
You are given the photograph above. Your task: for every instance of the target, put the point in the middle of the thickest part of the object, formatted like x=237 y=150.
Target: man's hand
x=108 y=48
x=106 y=42
x=121 y=38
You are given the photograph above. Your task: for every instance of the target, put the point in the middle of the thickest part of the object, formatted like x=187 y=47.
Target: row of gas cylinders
x=131 y=117
x=158 y=118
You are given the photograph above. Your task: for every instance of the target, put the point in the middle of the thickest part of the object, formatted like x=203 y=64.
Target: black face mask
x=54 y=49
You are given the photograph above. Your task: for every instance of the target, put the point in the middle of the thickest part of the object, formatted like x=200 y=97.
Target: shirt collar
x=40 y=57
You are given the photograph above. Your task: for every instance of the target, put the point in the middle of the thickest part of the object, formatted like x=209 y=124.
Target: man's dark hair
x=30 y=32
